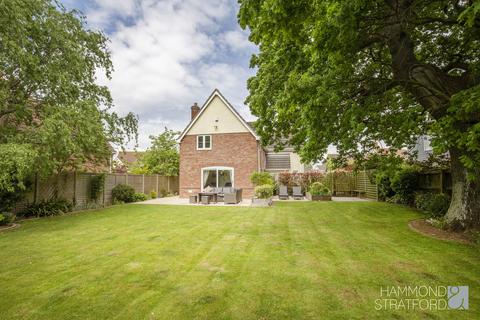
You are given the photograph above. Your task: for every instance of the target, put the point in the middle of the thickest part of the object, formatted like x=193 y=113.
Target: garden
x=295 y=260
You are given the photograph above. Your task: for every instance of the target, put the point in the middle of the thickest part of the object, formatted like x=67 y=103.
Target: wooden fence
x=352 y=183
x=439 y=181
x=340 y=183
x=76 y=187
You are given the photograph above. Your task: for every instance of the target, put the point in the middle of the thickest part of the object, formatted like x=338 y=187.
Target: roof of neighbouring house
x=129 y=157
x=217 y=93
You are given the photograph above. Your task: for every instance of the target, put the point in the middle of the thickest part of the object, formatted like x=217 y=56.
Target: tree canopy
x=53 y=114
x=162 y=157
x=352 y=73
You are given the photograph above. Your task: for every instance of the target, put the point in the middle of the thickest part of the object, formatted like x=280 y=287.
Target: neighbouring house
x=218 y=148
x=125 y=160
x=422 y=149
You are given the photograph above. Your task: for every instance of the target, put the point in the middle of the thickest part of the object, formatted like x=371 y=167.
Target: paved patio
x=245 y=203
x=185 y=202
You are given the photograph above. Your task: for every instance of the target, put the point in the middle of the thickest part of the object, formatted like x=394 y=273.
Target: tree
x=356 y=72
x=53 y=115
x=162 y=157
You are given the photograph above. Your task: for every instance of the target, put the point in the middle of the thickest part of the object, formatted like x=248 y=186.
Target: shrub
x=261 y=178
x=439 y=223
x=46 y=208
x=285 y=179
x=9 y=199
x=264 y=192
x=163 y=193
x=319 y=189
x=124 y=193
x=300 y=179
x=97 y=184
x=404 y=183
x=384 y=186
x=137 y=197
x=117 y=202
x=399 y=199
x=435 y=204
x=6 y=218
x=153 y=194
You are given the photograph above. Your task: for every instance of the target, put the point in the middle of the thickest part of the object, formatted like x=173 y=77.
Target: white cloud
x=168 y=54
x=237 y=40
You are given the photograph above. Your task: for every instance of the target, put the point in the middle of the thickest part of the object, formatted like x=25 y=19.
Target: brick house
x=219 y=148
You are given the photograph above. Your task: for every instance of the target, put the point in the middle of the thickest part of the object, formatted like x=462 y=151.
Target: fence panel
x=150 y=184
x=82 y=190
x=163 y=185
x=76 y=187
x=173 y=185
x=364 y=186
x=343 y=182
x=110 y=183
x=136 y=181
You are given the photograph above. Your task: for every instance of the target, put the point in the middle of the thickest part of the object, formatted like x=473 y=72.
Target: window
x=204 y=142
x=217 y=177
x=278 y=161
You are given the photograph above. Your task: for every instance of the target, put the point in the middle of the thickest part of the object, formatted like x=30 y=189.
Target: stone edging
x=13 y=226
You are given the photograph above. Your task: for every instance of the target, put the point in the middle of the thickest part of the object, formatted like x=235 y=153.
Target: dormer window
x=204 y=142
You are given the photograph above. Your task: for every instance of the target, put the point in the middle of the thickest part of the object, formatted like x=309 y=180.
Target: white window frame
x=202 y=136
x=217 y=169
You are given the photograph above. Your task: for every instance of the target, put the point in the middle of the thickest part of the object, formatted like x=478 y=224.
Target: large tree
x=353 y=73
x=162 y=157
x=53 y=114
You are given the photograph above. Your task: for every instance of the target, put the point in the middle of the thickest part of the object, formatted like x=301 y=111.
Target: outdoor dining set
x=227 y=195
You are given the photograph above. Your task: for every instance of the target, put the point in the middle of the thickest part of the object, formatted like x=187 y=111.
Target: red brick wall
x=236 y=150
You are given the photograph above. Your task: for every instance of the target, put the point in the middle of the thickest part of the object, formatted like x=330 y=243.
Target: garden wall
x=75 y=187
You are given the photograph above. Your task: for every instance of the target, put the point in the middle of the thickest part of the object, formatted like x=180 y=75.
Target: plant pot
x=318 y=198
x=256 y=202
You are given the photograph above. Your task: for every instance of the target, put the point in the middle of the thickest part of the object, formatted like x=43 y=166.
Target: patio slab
x=176 y=200
x=339 y=199
x=185 y=202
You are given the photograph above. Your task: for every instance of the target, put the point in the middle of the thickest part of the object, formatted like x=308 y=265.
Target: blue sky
x=168 y=54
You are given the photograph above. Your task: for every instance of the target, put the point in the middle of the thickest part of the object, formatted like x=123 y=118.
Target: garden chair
x=283 y=193
x=205 y=199
x=297 y=193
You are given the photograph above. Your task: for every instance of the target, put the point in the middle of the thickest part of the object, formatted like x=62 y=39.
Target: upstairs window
x=204 y=142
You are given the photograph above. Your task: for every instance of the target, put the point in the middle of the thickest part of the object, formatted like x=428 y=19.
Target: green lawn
x=293 y=261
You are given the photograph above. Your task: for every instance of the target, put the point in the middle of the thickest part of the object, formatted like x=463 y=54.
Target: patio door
x=217 y=177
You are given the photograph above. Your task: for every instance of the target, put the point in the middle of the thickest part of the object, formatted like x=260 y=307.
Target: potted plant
x=319 y=192
x=263 y=196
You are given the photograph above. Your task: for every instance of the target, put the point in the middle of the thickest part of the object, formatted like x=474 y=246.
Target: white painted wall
x=295 y=163
x=217 y=118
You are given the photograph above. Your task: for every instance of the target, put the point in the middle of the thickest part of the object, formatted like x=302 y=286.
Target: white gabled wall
x=217 y=118
x=296 y=164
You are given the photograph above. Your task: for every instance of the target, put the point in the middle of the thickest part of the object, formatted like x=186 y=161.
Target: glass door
x=217 y=177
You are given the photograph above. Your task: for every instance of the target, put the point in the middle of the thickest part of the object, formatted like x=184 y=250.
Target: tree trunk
x=464 y=210
x=433 y=89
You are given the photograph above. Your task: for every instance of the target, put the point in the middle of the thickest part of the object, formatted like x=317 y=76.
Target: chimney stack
x=195 y=110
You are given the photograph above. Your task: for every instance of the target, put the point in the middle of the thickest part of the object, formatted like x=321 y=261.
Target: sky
x=168 y=54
